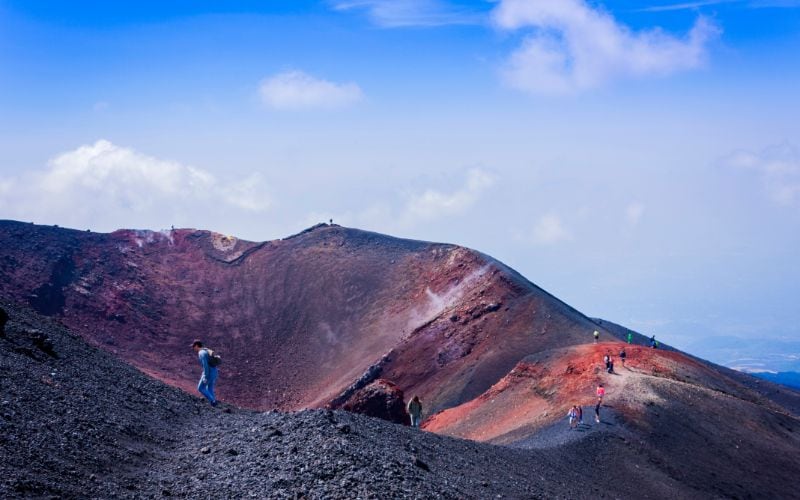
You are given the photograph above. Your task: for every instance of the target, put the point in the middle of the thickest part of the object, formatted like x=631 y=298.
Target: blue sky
x=640 y=160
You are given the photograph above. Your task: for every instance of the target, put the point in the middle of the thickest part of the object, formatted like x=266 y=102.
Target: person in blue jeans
x=209 y=376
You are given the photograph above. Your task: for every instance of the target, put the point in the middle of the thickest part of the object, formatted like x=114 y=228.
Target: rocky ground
x=77 y=423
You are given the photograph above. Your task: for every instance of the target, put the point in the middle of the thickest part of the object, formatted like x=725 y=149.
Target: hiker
x=606 y=360
x=630 y=337
x=622 y=356
x=653 y=343
x=573 y=416
x=596 y=336
x=414 y=410
x=209 y=376
x=610 y=365
x=601 y=391
x=597 y=410
x=580 y=414
x=3 y=321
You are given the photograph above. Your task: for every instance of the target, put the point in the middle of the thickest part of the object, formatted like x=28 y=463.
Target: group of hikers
x=575 y=414
x=629 y=338
x=209 y=362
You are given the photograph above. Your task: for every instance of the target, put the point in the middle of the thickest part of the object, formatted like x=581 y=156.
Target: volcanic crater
x=335 y=317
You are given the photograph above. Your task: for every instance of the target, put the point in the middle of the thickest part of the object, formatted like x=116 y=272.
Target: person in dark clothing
x=653 y=342
x=610 y=365
x=597 y=411
x=414 y=409
x=3 y=321
x=622 y=356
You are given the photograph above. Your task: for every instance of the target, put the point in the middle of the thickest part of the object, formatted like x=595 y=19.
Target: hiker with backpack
x=208 y=378
x=653 y=342
x=414 y=410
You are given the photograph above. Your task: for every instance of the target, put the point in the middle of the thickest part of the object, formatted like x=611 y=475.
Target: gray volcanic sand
x=76 y=422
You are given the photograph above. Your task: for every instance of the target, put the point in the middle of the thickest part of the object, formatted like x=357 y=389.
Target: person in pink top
x=601 y=391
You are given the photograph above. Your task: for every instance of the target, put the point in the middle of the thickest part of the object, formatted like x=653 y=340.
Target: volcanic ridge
x=341 y=318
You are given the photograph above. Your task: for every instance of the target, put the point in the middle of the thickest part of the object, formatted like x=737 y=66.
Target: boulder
x=381 y=399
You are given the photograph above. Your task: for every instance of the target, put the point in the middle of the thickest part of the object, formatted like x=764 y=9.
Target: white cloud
x=574 y=47
x=296 y=90
x=104 y=186
x=433 y=204
x=549 y=230
x=408 y=212
x=634 y=213
x=685 y=5
x=778 y=168
x=406 y=13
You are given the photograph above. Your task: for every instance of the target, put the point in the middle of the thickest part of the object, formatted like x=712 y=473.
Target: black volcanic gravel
x=77 y=423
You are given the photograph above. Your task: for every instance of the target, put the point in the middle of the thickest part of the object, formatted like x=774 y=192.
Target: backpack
x=214 y=359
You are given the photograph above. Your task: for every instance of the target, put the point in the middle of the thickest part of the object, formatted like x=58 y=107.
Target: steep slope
x=78 y=423
x=701 y=427
x=298 y=320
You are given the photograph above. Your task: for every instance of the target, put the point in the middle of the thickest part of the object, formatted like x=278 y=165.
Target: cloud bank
x=573 y=47
x=103 y=185
x=296 y=90
x=778 y=169
x=433 y=204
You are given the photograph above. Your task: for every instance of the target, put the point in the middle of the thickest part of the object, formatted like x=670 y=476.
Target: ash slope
x=702 y=428
x=298 y=320
x=76 y=422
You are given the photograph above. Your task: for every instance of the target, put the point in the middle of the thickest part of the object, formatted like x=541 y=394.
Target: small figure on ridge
x=572 y=415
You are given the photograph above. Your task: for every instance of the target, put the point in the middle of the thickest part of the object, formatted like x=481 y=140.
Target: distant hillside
x=789 y=379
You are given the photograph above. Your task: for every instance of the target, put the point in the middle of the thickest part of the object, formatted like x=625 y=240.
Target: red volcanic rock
x=541 y=388
x=381 y=399
x=298 y=320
